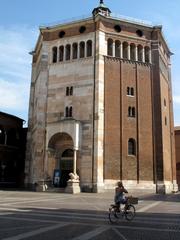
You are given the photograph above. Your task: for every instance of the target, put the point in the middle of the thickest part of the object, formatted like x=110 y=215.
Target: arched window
x=71 y=91
x=68 y=52
x=81 y=49
x=125 y=50
x=131 y=147
x=164 y=102
x=89 y=48
x=70 y=111
x=130 y=91
x=74 y=49
x=165 y=121
x=61 y=53
x=131 y=112
x=117 y=48
x=67 y=91
x=133 y=52
x=140 y=53
x=110 y=47
x=67 y=112
x=147 y=52
x=54 y=54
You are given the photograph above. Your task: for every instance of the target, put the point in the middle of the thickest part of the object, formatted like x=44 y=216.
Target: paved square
x=47 y=216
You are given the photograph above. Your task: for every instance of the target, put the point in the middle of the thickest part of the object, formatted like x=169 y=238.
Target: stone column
x=129 y=52
x=85 y=52
x=71 y=51
x=150 y=58
x=58 y=53
x=136 y=53
x=64 y=53
x=75 y=161
x=113 y=50
x=78 y=50
x=73 y=182
x=121 y=51
x=143 y=55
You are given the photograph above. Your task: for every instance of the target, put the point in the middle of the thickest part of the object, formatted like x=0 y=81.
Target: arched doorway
x=60 y=161
x=66 y=166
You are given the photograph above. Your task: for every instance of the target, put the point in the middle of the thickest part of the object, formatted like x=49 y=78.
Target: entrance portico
x=63 y=142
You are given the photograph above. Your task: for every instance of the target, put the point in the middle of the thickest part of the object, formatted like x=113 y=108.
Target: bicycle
x=129 y=211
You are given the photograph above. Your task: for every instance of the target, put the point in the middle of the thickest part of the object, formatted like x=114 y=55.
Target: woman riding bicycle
x=119 y=195
x=115 y=212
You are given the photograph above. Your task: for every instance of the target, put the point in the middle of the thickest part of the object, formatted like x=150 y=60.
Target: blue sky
x=19 y=23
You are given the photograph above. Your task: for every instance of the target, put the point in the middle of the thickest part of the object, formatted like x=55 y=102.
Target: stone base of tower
x=175 y=186
x=131 y=185
x=144 y=187
x=98 y=188
x=167 y=187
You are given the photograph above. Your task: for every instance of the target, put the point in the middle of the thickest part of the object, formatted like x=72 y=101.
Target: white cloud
x=14 y=96
x=15 y=67
x=176 y=99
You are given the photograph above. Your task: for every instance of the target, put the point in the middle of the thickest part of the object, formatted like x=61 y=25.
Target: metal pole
x=75 y=159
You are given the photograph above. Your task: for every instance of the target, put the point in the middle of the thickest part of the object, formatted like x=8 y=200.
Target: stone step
x=55 y=189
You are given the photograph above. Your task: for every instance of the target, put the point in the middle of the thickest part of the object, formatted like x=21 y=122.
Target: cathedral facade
x=101 y=105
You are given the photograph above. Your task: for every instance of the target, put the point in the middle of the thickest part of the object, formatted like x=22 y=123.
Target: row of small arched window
x=115 y=49
x=74 y=51
x=128 y=51
x=69 y=91
x=69 y=112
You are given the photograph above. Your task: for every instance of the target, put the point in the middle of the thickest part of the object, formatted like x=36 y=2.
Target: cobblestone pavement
x=44 y=216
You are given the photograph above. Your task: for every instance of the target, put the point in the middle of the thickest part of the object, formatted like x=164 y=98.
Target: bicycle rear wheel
x=113 y=215
x=130 y=212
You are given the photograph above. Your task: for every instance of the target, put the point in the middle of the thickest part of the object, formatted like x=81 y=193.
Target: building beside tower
x=101 y=105
x=177 y=147
x=12 y=151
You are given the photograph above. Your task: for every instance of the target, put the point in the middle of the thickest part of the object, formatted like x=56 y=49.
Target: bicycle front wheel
x=130 y=212
x=113 y=215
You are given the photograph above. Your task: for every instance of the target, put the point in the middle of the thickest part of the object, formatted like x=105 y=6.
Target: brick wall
x=119 y=127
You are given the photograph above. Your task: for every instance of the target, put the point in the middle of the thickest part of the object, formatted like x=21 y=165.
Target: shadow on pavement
x=78 y=222
x=174 y=197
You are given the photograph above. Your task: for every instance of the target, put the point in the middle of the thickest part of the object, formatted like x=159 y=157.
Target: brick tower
x=101 y=105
